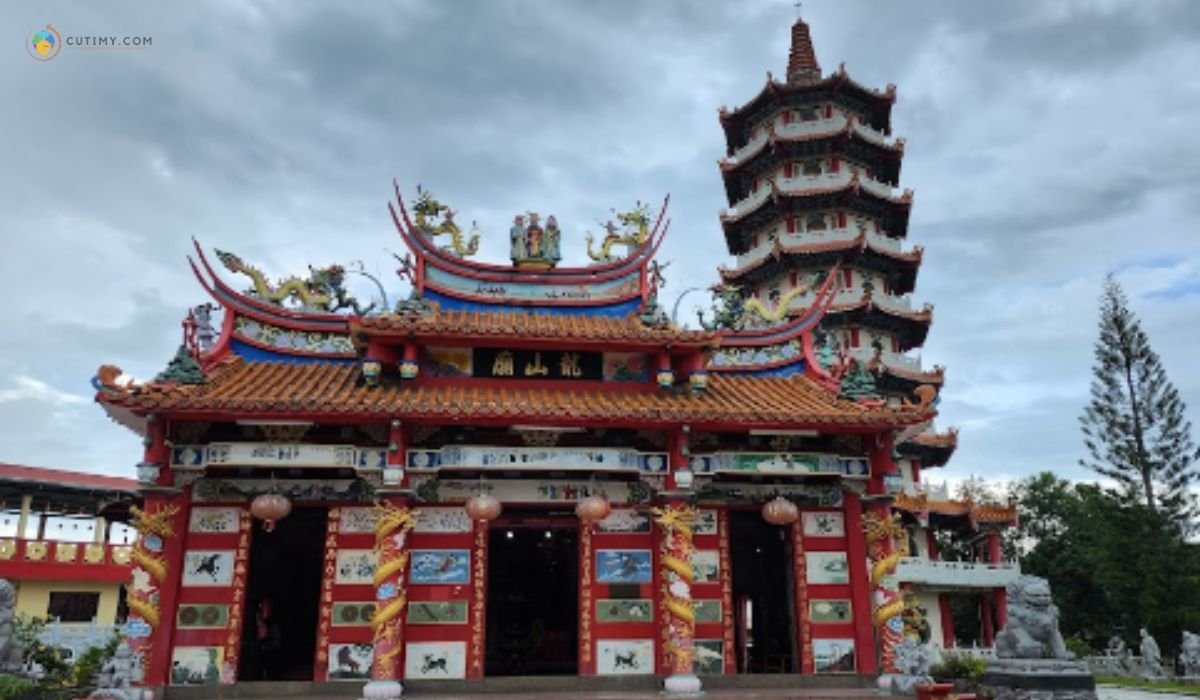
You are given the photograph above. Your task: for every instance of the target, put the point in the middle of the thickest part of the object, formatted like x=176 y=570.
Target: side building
x=811 y=174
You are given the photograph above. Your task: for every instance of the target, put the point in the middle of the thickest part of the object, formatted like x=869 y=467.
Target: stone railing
x=825 y=125
x=973 y=652
x=824 y=181
x=956 y=574
x=75 y=638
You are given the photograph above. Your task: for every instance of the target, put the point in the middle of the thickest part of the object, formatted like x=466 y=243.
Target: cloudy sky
x=1049 y=142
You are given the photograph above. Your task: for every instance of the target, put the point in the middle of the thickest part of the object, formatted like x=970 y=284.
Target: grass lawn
x=1149 y=685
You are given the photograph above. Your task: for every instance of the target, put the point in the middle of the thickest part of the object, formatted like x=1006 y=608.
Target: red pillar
x=158 y=664
x=860 y=586
x=947 y=621
x=995 y=554
x=931 y=542
x=989 y=632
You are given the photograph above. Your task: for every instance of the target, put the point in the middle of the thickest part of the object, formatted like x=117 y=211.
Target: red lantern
x=593 y=508
x=483 y=507
x=780 y=511
x=270 y=507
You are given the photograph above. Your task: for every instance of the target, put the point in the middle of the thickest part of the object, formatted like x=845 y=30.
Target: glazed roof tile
x=505 y=324
x=240 y=386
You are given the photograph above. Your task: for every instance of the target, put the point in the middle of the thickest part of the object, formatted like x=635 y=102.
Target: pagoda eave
x=786 y=257
x=738 y=228
x=930 y=453
x=884 y=159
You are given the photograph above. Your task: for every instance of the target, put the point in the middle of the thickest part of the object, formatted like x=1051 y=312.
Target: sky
x=1049 y=142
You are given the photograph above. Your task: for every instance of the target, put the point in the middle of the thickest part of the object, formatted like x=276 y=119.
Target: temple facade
x=526 y=469
x=811 y=173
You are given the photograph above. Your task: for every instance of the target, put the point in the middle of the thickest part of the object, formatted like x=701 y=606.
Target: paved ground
x=1115 y=693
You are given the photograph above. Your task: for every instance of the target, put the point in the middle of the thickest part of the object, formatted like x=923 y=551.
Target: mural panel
x=623 y=566
x=625 y=657
x=208 y=568
x=433 y=566
x=435 y=660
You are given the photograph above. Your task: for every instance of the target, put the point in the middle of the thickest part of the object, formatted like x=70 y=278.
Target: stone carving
x=11 y=654
x=1032 y=629
x=1151 y=657
x=118 y=675
x=1119 y=657
x=1032 y=661
x=1189 y=654
x=913 y=661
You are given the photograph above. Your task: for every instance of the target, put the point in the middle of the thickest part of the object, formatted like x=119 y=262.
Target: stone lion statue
x=913 y=662
x=1189 y=654
x=12 y=657
x=1032 y=628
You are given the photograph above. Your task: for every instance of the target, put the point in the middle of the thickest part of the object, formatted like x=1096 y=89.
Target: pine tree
x=1135 y=426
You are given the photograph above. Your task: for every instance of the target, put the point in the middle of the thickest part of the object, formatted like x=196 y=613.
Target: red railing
x=54 y=560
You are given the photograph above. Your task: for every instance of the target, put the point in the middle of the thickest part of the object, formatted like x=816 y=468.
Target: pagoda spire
x=802 y=59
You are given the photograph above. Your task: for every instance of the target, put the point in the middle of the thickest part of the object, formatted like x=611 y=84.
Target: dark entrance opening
x=284 y=585
x=764 y=609
x=533 y=595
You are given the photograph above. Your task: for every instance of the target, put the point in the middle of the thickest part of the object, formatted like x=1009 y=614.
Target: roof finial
x=799 y=7
x=802 y=59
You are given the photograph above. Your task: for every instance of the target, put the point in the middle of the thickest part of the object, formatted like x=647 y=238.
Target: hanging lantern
x=483 y=507
x=270 y=507
x=780 y=511
x=593 y=509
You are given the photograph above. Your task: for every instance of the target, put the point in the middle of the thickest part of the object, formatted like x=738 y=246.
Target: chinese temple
x=528 y=469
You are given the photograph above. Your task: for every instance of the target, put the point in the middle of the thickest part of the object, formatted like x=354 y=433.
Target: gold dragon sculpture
x=427 y=210
x=324 y=290
x=732 y=311
x=637 y=232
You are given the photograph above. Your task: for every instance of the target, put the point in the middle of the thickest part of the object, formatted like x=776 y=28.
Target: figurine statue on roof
x=532 y=245
x=637 y=231
x=427 y=209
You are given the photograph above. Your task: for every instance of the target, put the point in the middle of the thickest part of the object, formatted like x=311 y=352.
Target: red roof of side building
x=62 y=478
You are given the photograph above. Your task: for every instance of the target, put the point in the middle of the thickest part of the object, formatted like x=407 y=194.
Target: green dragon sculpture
x=324 y=290
x=427 y=209
x=732 y=311
x=637 y=231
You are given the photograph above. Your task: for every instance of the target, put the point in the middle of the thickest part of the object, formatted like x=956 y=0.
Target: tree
x=1135 y=427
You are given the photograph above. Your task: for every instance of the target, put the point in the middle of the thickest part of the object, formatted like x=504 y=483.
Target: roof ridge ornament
x=427 y=210
x=637 y=231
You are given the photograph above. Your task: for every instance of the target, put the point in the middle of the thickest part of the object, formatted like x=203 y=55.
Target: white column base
x=382 y=690
x=682 y=685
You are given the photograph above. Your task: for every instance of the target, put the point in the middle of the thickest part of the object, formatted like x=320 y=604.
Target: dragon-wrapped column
x=393 y=523
x=883 y=531
x=675 y=592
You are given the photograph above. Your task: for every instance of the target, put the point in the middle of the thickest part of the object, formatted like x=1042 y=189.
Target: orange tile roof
x=283 y=389
x=66 y=479
x=977 y=512
x=508 y=324
x=947 y=439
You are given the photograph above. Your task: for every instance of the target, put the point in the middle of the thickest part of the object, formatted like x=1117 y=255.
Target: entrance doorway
x=764 y=608
x=533 y=595
x=284 y=583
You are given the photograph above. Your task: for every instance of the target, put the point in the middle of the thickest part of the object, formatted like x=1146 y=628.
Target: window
x=816 y=222
x=812 y=167
x=73 y=606
x=810 y=113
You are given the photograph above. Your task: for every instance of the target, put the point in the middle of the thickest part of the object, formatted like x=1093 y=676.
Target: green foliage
x=89 y=663
x=12 y=687
x=958 y=667
x=60 y=677
x=1135 y=427
x=1114 y=566
x=1079 y=647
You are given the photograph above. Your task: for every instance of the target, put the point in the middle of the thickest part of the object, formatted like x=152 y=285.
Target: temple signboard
x=493 y=363
x=265 y=454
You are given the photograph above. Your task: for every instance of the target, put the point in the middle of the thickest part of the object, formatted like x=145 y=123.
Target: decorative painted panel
x=350 y=662
x=830 y=611
x=265 y=454
x=708 y=657
x=706 y=522
x=435 y=660
x=758 y=355
x=705 y=566
x=356 y=567
x=353 y=614
x=623 y=566
x=808 y=495
x=622 y=610
x=431 y=612
x=357 y=520
x=447 y=362
x=824 y=525
x=203 y=616
x=625 y=520
x=607 y=290
x=827 y=567
x=707 y=611
x=556 y=458
x=780 y=463
x=432 y=490
x=213 y=520
x=833 y=655
x=208 y=568
x=196 y=665
x=621 y=657
x=442 y=520
x=292 y=340
x=440 y=566
x=626 y=367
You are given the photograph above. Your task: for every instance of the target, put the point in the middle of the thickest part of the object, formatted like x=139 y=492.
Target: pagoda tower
x=811 y=173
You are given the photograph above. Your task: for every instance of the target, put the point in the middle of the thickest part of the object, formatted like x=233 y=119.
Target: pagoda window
x=847 y=278
x=854 y=337
x=812 y=167
x=787 y=117
x=876 y=225
x=835 y=164
x=841 y=219
x=789 y=169
x=829 y=111
x=810 y=113
x=816 y=222
x=895 y=345
x=791 y=224
x=775 y=296
x=793 y=279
